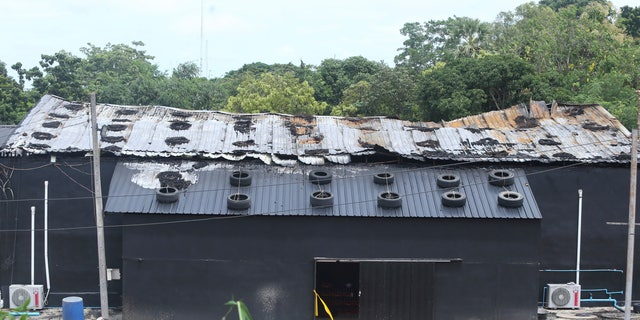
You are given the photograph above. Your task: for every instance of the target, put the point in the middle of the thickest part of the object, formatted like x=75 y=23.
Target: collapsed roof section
x=534 y=133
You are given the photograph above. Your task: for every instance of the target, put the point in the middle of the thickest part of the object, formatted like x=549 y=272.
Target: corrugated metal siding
x=284 y=191
x=518 y=134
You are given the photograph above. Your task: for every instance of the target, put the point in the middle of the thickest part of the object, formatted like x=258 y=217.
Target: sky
x=223 y=35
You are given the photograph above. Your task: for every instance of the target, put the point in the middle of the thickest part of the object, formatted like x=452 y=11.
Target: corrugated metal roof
x=5 y=133
x=518 y=134
x=286 y=191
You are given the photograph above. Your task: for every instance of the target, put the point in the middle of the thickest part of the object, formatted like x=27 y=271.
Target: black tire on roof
x=510 y=199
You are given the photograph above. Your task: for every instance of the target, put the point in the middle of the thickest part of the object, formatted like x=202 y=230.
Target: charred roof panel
x=518 y=134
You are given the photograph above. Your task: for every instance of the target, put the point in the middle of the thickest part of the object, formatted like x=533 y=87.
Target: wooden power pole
x=632 y=217
x=97 y=184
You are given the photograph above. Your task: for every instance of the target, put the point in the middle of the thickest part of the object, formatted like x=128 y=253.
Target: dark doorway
x=337 y=283
x=376 y=290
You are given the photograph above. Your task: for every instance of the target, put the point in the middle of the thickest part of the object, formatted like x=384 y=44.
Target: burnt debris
x=243 y=124
x=594 y=126
x=564 y=155
x=58 y=115
x=172 y=179
x=74 y=106
x=172 y=141
x=429 y=144
x=112 y=148
x=486 y=142
x=526 y=122
x=548 y=142
x=246 y=143
x=180 y=125
x=116 y=127
x=52 y=124
x=42 y=135
x=126 y=112
x=112 y=139
x=38 y=146
x=180 y=114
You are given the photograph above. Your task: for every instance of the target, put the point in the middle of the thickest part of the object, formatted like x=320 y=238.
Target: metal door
x=396 y=290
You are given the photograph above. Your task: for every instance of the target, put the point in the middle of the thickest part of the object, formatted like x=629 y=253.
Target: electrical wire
x=456 y=164
x=264 y=185
x=73 y=180
x=219 y=217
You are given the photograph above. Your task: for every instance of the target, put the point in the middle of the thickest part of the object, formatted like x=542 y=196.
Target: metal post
x=579 y=236
x=102 y=266
x=33 y=242
x=632 y=218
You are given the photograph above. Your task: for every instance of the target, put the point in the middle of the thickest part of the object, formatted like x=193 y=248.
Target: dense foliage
x=572 y=51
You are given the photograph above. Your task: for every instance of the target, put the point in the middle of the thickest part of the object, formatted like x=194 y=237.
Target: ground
x=591 y=313
x=89 y=314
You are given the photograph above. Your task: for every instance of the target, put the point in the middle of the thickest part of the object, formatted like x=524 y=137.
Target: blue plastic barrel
x=72 y=308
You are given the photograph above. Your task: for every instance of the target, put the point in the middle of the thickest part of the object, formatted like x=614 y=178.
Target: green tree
x=337 y=75
x=442 y=40
x=14 y=101
x=630 y=20
x=356 y=101
x=556 y=5
x=469 y=86
x=61 y=75
x=269 y=92
x=394 y=92
x=119 y=73
x=187 y=70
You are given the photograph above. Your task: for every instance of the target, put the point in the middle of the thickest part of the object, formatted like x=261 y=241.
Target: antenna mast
x=201 y=30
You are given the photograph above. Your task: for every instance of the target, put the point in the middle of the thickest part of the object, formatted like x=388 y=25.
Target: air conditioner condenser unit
x=563 y=296
x=19 y=293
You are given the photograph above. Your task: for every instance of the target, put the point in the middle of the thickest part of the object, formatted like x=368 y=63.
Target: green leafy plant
x=21 y=311
x=243 y=311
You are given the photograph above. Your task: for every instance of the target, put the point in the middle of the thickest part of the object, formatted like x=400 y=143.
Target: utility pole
x=632 y=217
x=97 y=186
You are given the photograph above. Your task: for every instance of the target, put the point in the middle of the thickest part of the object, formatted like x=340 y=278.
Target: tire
x=240 y=178
x=167 y=195
x=389 y=200
x=319 y=176
x=510 y=199
x=453 y=199
x=501 y=178
x=321 y=199
x=238 y=201
x=383 y=178
x=448 y=180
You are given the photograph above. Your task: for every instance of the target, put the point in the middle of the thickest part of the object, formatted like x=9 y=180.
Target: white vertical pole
x=579 y=236
x=102 y=265
x=46 y=233
x=33 y=242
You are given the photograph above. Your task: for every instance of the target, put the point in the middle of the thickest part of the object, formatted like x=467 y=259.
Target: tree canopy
x=572 y=51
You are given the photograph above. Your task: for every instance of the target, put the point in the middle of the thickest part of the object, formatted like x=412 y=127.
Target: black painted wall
x=605 y=199
x=73 y=259
x=208 y=262
x=189 y=270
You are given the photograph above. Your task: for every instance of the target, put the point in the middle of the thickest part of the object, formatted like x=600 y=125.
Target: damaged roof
x=538 y=132
x=286 y=191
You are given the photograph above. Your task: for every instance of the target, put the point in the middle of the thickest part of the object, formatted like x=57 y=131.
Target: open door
x=376 y=290
x=337 y=283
